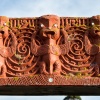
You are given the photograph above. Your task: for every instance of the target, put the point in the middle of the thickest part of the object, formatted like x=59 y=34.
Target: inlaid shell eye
x=55 y=25
x=5 y=24
x=92 y=23
x=42 y=25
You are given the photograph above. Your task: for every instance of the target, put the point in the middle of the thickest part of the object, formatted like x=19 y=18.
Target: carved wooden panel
x=50 y=45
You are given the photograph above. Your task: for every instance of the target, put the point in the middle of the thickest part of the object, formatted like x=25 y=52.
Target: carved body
x=93 y=48
x=50 y=50
x=51 y=59
x=2 y=59
x=5 y=51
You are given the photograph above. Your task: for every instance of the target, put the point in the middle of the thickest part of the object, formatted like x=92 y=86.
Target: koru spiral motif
x=48 y=46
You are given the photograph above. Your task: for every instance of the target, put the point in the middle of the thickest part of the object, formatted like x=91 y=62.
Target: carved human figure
x=92 y=45
x=5 y=51
x=50 y=48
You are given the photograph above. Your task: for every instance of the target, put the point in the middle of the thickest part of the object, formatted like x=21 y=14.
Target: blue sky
x=36 y=8
x=25 y=8
x=44 y=98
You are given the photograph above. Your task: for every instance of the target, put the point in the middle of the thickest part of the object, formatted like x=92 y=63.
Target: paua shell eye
x=42 y=25
x=5 y=24
x=55 y=25
x=92 y=23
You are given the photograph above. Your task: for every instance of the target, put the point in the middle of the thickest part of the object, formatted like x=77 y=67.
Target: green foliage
x=32 y=25
x=19 y=57
x=85 y=68
x=71 y=37
x=8 y=24
x=98 y=45
x=70 y=97
x=78 y=74
x=1 y=27
x=16 y=78
x=61 y=26
x=18 y=27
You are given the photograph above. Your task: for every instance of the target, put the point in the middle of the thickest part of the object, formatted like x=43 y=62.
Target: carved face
x=96 y=19
x=3 y=26
x=95 y=32
x=49 y=26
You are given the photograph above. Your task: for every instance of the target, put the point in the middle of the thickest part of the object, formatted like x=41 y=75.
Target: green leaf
x=1 y=27
x=16 y=78
x=8 y=24
x=18 y=56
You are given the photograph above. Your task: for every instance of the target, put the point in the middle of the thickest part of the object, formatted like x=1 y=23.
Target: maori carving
x=22 y=59
x=5 y=51
x=77 y=62
x=50 y=45
x=50 y=50
x=92 y=45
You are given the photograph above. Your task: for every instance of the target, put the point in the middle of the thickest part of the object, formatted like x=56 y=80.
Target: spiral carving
x=44 y=48
x=22 y=62
x=77 y=62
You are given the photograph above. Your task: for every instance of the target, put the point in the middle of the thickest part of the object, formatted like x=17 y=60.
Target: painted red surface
x=66 y=48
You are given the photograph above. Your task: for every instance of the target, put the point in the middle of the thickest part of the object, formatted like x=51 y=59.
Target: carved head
x=96 y=19
x=49 y=26
x=95 y=29
x=3 y=26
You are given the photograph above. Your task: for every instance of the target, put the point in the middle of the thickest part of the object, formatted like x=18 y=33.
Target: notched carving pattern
x=50 y=45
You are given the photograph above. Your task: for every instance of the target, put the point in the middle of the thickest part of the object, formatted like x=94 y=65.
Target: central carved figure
x=47 y=44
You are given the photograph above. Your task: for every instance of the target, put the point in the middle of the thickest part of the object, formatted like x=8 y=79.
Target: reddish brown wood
x=49 y=45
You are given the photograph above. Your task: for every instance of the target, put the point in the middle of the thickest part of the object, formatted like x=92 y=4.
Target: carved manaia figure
x=92 y=45
x=50 y=48
x=5 y=51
